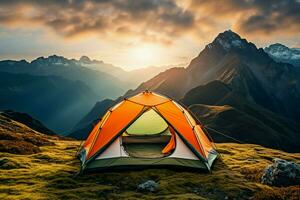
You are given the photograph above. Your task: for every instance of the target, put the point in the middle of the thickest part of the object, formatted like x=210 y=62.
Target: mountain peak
x=85 y=59
x=229 y=35
x=53 y=60
x=229 y=40
x=282 y=53
x=277 y=47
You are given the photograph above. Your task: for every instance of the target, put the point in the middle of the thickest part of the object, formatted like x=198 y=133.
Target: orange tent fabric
x=176 y=117
x=205 y=142
x=117 y=120
x=172 y=143
x=126 y=112
x=94 y=132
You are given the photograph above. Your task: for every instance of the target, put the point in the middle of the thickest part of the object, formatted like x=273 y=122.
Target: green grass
x=49 y=175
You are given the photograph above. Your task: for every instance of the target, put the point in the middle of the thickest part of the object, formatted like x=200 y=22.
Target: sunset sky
x=139 y=33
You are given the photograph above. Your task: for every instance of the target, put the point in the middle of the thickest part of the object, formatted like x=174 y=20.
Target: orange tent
x=144 y=130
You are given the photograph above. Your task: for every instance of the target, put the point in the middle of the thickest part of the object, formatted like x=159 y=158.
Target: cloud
x=273 y=16
x=147 y=19
x=160 y=21
x=249 y=17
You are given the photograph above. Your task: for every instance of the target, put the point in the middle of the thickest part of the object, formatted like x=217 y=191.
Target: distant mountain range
x=133 y=77
x=262 y=96
x=102 y=84
x=282 y=53
x=59 y=91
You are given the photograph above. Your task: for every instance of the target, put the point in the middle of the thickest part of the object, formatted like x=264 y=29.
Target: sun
x=144 y=55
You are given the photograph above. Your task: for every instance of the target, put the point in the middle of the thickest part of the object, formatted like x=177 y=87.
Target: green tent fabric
x=147 y=150
x=150 y=123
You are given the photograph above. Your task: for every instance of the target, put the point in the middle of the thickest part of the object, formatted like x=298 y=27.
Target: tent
x=147 y=130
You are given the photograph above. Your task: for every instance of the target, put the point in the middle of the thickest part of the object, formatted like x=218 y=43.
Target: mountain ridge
x=27 y=120
x=282 y=53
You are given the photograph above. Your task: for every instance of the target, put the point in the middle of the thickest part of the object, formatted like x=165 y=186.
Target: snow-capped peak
x=228 y=40
x=283 y=52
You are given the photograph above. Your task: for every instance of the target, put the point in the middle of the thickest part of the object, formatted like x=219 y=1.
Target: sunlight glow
x=145 y=55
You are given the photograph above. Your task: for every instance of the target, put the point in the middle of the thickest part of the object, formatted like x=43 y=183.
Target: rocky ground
x=48 y=174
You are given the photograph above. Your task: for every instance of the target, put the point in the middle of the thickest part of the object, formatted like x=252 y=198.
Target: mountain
x=18 y=138
x=57 y=102
x=82 y=128
x=132 y=77
x=67 y=92
x=236 y=88
x=102 y=84
x=27 y=120
x=221 y=108
x=282 y=53
x=95 y=79
x=247 y=71
x=250 y=124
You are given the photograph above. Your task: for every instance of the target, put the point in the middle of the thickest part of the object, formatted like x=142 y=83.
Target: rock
x=148 y=186
x=281 y=173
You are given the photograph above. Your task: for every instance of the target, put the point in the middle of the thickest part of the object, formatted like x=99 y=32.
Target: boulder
x=281 y=173
x=148 y=186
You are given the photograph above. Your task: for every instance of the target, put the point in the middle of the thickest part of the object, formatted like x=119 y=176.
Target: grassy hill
x=249 y=124
x=49 y=175
x=18 y=138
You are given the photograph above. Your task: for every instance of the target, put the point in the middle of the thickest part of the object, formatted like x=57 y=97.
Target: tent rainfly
x=147 y=130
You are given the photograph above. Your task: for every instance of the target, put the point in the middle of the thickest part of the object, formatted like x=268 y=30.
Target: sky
x=139 y=33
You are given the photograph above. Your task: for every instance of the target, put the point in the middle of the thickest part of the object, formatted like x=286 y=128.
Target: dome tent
x=147 y=130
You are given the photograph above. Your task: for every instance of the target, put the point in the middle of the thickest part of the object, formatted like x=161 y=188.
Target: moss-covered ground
x=49 y=174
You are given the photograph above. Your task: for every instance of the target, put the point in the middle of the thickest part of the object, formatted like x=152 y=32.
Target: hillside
x=57 y=102
x=250 y=124
x=27 y=120
x=16 y=137
x=49 y=175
